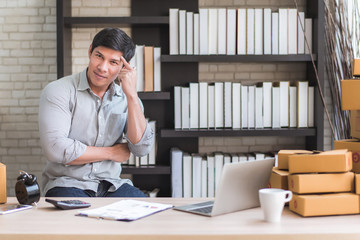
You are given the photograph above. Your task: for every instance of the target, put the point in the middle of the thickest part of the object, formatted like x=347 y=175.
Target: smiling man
x=84 y=119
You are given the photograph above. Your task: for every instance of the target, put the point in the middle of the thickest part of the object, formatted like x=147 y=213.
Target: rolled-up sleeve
x=54 y=125
x=145 y=144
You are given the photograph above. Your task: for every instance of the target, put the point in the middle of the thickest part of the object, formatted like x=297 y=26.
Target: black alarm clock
x=27 y=189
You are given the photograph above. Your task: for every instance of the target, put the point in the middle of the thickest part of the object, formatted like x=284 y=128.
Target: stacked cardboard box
x=322 y=184
x=2 y=183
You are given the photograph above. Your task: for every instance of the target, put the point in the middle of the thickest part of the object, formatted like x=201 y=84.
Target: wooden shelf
x=154 y=95
x=290 y=132
x=238 y=58
x=145 y=169
x=106 y=21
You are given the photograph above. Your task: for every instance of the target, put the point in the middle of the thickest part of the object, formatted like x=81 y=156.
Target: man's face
x=104 y=67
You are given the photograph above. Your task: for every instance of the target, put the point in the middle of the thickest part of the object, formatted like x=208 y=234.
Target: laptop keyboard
x=207 y=209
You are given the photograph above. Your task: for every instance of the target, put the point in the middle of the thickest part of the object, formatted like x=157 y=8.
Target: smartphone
x=10 y=208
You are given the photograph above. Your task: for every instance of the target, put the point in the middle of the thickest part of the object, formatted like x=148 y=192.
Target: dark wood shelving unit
x=287 y=132
x=154 y=95
x=149 y=24
x=145 y=170
x=238 y=58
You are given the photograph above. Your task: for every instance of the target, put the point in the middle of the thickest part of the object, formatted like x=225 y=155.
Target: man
x=83 y=119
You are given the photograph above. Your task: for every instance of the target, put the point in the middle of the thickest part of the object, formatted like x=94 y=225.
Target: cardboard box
x=3 y=196
x=350 y=97
x=357 y=183
x=321 y=182
x=279 y=179
x=355 y=123
x=356 y=67
x=352 y=145
x=325 y=204
x=329 y=161
x=283 y=157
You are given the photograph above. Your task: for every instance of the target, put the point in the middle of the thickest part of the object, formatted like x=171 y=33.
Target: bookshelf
x=150 y=26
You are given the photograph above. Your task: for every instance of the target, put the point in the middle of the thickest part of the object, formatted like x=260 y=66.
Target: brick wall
x=28 y=63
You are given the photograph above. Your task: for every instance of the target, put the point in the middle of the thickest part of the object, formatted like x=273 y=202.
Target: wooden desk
x=46 y=222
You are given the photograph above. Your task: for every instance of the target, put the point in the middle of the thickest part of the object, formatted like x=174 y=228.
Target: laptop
x=238 y=188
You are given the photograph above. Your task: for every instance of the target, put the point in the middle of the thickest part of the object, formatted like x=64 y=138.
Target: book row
x=149 y=159
x=242 y=31
x=147 y=62
x=195 y=175
x=233 y=105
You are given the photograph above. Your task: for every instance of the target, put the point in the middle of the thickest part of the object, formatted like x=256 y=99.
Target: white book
x=250 y=31
x=194 y=105
x=204 y=178
x=203 y=105
x=242 y=157
x=182 y=32
x=131 y=159
x=234 y=158
x=292 y=106
x=250 y=157
x=283 y=31
x=187 y=175
x=185 y=108
x=211 y=175
x=284 y=104
x=137 y=161
x=219 y=162
x=259 y=156
x=244 y=106
x=177 y=107
x=259 y=118
x=302 y=104
x=211 y=106
x=174 y=31
x=144 y=160
x=140 y=69
x=251 y=107
x=196 y=175
x=227 y=105
x=157 y=69
x=301 y=35
x=204 y=31
x=221 y=31
x=275 y=33
x=219 y=105
x=259 y=31
x=132 y=61
x=275 y=122
x=189 y=33
x=231 y=32
x=196 y=34
x=308 y=35
x=267 y=89
x=241 y=31
x=176 y=161
x=311 y=95
x=236 y=105
x=213 y=31
x=267 y=31
x=292 y=31
x=152 y=153
x=227 y=158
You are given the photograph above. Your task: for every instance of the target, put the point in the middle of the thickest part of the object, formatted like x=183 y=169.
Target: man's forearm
x=118 y=153
x=136 y=120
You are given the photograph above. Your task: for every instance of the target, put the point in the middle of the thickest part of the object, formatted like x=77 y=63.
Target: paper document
x=125 y=210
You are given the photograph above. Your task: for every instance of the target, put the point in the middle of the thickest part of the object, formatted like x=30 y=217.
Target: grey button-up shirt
x=72 y=117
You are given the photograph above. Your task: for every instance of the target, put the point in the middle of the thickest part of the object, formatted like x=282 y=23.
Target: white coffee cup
x=272 y=201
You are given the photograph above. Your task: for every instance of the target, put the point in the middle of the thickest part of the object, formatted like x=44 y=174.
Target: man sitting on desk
x=82 y=121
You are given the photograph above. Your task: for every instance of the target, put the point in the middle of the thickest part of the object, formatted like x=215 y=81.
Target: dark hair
x=115 y=39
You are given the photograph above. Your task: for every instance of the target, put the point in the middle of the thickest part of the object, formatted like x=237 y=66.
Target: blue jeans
x=125 y=190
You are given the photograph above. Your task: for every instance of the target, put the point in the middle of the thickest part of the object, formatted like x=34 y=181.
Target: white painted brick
x=39 y=19
x=119 y=12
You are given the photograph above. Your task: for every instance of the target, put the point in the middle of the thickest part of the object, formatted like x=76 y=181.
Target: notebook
x=237 y=190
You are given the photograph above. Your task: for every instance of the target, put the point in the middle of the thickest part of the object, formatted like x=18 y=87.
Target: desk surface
x=46 y=222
